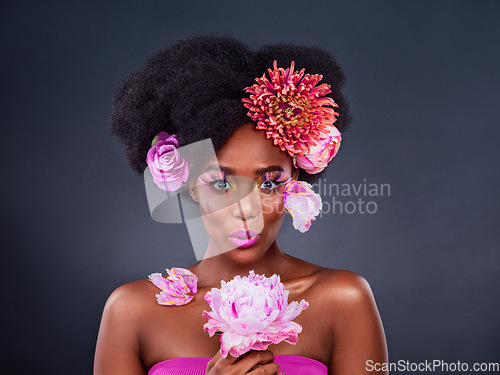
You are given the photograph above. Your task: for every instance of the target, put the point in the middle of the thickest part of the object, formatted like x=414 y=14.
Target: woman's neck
x=211 y=271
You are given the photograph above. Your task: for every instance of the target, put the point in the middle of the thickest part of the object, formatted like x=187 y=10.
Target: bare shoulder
x=133 y=289
x=118 y=342
x=355 y=323
x=344 y=290
x=343 y=280
x=337 y=286
x=129 y=301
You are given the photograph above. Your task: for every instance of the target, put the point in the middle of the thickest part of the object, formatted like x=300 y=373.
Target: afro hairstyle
x=194 y=87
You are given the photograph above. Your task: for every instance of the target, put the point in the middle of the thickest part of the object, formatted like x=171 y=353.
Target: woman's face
x=241 y=195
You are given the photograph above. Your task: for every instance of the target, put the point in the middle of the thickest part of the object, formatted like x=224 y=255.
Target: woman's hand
x=255 y=362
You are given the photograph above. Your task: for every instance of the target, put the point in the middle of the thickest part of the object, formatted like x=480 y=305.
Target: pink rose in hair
x=302 y=203
x=318 y=157
x=168 y=168
x=252 y=312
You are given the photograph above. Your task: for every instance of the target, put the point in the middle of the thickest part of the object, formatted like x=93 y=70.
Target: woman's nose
x=248 y=207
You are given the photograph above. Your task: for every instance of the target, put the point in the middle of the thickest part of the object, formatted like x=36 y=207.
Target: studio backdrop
x=410 y=203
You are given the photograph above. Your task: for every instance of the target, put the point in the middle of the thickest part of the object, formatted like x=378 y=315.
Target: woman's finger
x=221 y=362
x=254 y=358
x=213 y=360
x=269 y=369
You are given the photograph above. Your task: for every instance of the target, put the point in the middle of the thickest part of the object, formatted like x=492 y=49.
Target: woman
x=192 y=91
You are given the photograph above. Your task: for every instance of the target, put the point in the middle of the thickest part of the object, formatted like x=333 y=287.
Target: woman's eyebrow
x=271 y=168
x=257 y=172
x=218 y=168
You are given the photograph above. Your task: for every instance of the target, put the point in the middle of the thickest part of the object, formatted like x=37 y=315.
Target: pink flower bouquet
x=252 y=312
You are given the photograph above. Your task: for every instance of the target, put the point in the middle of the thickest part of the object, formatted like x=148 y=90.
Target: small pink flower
x=318 y=157
x=168 y=168
x=302 y=203
x=252 y=312
x=175 y=288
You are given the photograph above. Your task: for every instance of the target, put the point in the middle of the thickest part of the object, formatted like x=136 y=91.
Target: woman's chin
x=247 y=253
x=240 y=251
x=243 y=257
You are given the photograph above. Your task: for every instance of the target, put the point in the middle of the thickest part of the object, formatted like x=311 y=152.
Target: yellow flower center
x=289 y=110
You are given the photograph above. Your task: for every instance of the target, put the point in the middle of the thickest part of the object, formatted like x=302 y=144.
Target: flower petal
x=174 y=288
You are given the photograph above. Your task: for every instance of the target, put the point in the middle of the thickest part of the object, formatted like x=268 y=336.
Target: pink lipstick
x=244 y=239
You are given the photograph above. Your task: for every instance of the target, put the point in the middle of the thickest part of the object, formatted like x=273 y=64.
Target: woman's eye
x=221 y=185
x=268 y=185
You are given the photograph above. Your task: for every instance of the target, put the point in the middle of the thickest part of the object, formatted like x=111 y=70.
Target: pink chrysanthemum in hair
x=296 y=114
x=175 y=288
x=252 y=312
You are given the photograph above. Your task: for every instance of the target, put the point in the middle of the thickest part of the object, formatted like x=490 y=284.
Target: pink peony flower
x=293 y=111
x=252 y=312
x=318 y=157
x=168 y=168
x=302 y=203
x=175 y=288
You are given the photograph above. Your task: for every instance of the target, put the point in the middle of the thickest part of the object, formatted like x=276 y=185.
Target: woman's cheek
x=272 y=205
x=213 y=216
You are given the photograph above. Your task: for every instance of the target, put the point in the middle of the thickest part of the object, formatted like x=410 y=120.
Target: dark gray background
x=424 y=86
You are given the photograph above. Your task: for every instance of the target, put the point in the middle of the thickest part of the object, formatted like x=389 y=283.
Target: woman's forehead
x=248 y=145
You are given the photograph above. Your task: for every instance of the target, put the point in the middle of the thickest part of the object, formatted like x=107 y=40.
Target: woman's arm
x=358 y=334
x=117 y=349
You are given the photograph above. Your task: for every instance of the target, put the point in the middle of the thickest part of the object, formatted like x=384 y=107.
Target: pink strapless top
x=290 y=364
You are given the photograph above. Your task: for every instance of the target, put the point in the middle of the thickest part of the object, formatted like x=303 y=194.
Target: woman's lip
x=244 y=242
x=244 y=234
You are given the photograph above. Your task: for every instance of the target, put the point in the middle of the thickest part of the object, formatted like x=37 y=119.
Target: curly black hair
x=194 y=88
